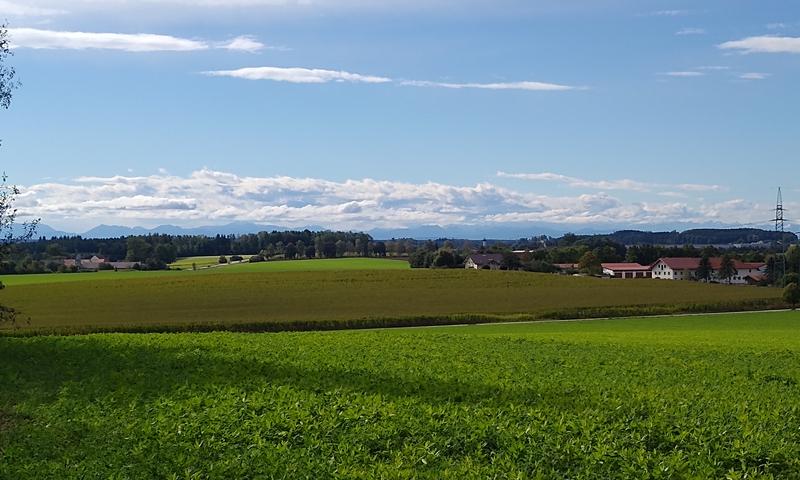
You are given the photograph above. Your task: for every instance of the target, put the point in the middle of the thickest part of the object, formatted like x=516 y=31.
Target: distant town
x=730 y=256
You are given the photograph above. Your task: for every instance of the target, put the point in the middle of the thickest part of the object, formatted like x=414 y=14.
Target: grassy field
x=324 y=265
x=689 y=397
x=201 y=262
x=338 y=297
x=313 y=265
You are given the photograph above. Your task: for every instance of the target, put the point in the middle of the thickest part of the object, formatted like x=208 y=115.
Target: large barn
x=685 y=268
x=626 y=270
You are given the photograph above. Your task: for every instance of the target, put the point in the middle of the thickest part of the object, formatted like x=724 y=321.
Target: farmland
x=183 y=267
x=683 y=397
x=340 y=297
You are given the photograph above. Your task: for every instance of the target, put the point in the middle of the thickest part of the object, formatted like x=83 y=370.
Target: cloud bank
x=624 y=184
x=208 y=196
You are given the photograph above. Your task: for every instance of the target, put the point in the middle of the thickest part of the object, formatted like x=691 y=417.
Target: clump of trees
x=156 y=251
x=791 y=294
x=153 y=252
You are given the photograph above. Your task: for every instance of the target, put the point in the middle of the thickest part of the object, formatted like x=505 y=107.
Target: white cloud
x=764 y=44
x=244 y=43
x=531 y=86
x=691 y=31
x=318 y=75
x=138 y=42
x=668 y=13
x=776 y=26
x=754 y=76
x=713 y=67
x=297 y=75
x=15 y=9
x=689 y=73
x=624 y=184
x=208 y=196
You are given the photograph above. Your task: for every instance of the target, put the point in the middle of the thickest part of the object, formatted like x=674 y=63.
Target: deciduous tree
x=8 y=193
x=791 y=295
x=589 y=263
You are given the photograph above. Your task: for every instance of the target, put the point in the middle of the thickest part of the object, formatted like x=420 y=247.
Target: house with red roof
x=685 y=268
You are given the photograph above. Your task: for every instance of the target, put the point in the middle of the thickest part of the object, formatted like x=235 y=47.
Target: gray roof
x=481 y=259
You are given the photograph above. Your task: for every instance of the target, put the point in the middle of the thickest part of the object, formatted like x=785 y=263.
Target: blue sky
x=357 y=114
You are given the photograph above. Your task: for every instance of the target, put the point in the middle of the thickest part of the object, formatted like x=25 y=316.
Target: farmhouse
x=626 y=270
x=479 y=261
x=685 y=268
x=96 y=262
x=85 y=264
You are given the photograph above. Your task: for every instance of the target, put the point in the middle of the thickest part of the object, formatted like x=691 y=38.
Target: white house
x=685 y=268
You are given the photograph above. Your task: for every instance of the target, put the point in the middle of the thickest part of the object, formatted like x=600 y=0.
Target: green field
x=312 y=265
x=200 y=262
x=324 y=265
x=689 y=397
x=337 y=296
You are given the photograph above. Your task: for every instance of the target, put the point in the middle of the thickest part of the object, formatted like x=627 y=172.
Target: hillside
x=702 y=236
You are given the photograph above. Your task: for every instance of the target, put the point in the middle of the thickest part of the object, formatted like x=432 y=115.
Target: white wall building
x=685 y=268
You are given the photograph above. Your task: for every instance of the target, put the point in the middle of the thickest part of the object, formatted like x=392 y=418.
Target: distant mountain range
x=423 y=232
x=660 y=234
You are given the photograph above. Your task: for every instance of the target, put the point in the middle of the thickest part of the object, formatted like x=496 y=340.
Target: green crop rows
x=690 y=397
x=330 y=298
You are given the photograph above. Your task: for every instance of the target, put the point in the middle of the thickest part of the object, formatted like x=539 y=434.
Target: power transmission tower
x=780 y=231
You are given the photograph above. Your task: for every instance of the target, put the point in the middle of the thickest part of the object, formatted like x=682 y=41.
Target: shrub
x=223 y=259
x=791 y=294
x=236 y=258
x=256 y=259
x=790 y=278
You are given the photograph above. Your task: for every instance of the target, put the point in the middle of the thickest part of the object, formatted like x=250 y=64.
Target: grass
x=329 y=298
x=337 y=264
x=200 y=262
x=690 y=397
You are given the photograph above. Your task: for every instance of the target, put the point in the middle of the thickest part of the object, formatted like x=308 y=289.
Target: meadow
x=683 y=397
x=261 y=297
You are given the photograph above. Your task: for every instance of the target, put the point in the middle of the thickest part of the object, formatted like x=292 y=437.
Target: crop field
x=346 y=297
x=328 y=264
x=684 y=397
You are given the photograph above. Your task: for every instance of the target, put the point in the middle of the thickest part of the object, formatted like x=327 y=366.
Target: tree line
x=156 y=251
